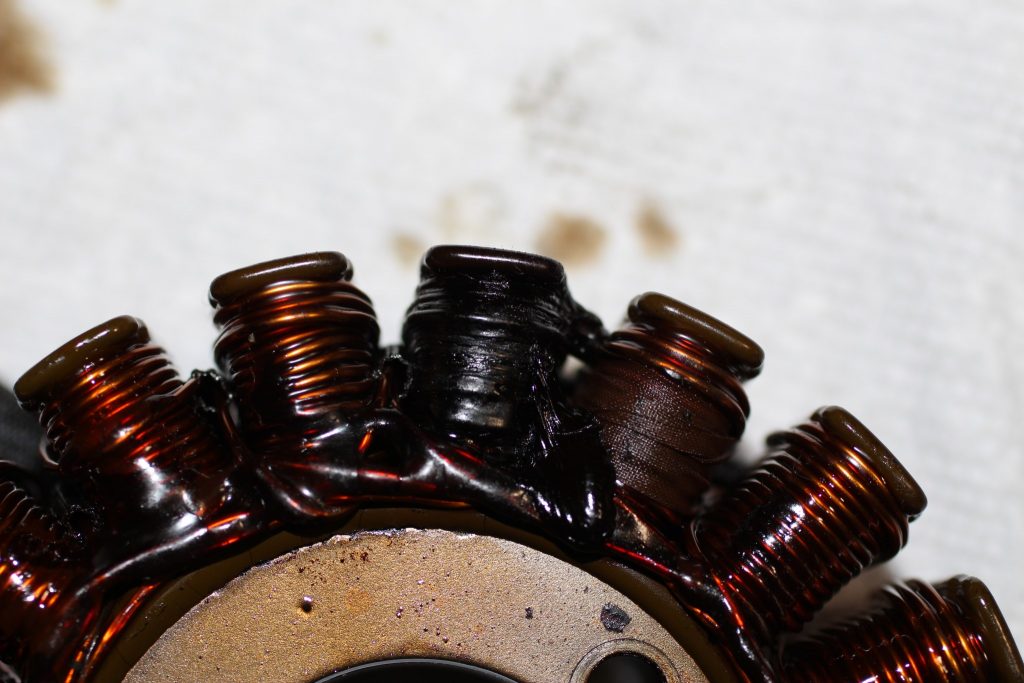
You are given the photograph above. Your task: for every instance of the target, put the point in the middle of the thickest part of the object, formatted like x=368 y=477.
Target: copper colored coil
x=919 y=633
x=667 y=391
x=829 y=502
x=95 y=386
x=318 y=338
x=111 y=403
x=102 y=409
x=125 y=409
x=295 y=347
x=35 y=569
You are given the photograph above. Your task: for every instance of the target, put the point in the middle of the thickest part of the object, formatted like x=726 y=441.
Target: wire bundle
x=298 y=343
x=110 y=401
x=36 y=566
x=918 y=633
x=666 y=390
x=827 y=503
x=486 y=333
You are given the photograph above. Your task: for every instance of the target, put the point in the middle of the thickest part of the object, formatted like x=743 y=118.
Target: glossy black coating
x=484 y=325
x=484 y=261
x=484 y=341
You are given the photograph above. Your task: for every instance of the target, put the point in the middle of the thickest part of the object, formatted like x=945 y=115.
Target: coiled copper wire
x=139 y=460
x=827 y=503
x=118 y=417
x=297 y=342
x=919 y=633
x=120 y=404
x=667 y=391
x=36 y=564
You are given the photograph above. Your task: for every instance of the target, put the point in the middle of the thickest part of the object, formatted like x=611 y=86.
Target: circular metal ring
x=435 y=594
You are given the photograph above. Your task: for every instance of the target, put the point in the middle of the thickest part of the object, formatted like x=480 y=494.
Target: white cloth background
x=844 y=179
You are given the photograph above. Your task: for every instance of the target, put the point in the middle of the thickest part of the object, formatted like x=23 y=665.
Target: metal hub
x=338 y=610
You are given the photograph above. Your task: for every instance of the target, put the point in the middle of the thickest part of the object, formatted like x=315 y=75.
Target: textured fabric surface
x=841 y=181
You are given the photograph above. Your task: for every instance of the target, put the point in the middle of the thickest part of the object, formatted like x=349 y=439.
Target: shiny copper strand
x=35 y=568
x=918 y=635
x=301 y=357
x=318 y=340
x=131 y=415
x=807 y=520
x=119 y=420
x=669 y=410
x=99 y=412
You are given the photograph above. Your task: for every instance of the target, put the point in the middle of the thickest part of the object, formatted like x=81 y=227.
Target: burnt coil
x=298 y=343
x=667 y=391
x=827 y=503
x=486 y=330
x=919 y=633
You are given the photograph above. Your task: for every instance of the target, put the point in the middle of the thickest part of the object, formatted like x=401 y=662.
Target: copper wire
x=34 y=567
x=139 y=460
x=102 y=413
x=669 y=411
x=809 y=518
x=295 y=351
x=917 y=635
x=130 y=417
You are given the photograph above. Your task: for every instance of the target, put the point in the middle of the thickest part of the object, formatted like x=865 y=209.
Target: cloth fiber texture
x=840 y=181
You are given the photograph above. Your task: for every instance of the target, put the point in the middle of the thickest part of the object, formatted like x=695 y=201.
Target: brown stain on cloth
x=408 y=249
x=23 y=66
x=657 y=235
x=572 y=239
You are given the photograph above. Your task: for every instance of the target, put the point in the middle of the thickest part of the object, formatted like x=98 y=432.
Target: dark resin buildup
x=147 y=476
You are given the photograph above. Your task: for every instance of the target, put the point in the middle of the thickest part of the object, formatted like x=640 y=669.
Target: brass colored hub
x=434 y=594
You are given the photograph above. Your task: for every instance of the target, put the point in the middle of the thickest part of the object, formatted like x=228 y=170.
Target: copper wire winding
x=98 y=415
x=919 y=634
x=298 y=344
x=670 y=408
x=121 y=415
x=131 y=417
x=805 y=521
x=34 y=570
x=136 y=453
x=297 y=350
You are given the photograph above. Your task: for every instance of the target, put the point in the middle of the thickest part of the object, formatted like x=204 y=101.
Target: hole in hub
x=626 y=667
x=417 y=670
